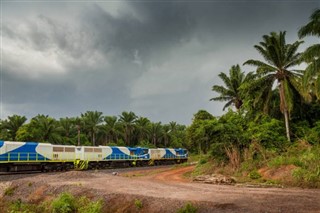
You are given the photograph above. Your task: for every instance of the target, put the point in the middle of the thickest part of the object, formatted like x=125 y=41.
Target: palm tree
x=142 y=128
x=156 y=133
x=231 y=92
x=12 y=124
x=279 y=57
x=67 y=126
x=311 y=56
x=47 y=128
x=127 y=119
x=92 y=121
x=173 y=126
x=166 y=133
x=111 y=128
x=79 y=123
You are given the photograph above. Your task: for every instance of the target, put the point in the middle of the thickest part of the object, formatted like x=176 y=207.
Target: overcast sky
x=158 y=59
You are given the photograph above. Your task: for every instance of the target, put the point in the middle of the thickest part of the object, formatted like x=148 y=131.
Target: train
x=34 y=156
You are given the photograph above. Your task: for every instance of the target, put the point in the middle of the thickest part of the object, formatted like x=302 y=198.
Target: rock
x=215 y=179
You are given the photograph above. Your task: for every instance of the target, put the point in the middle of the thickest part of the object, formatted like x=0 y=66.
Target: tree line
x=93 y=128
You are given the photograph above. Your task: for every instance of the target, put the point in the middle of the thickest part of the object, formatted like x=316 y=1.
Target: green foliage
x=84 y=205
x=202 y=115
x=199 y=134
x=20 y=207
x=284 y=160
x=269 y=132
x=138 y=203
x=188 y=208
x=92 y=127
x=308 y=172
x=121 y=143
x=306 y=158
x=232 y=92
x=146 y=144
x=202 y=161
x=10 y=190
x=254 y=174
x=313 y=135
x=26 y=133
x=217 y=151
x=65 y=203
x=12 y=125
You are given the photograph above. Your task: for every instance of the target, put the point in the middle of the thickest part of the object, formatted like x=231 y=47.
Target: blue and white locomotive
x=29 y=156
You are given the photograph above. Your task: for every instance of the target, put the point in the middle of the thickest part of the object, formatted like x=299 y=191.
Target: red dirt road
x=165 y=189
x=175 y=175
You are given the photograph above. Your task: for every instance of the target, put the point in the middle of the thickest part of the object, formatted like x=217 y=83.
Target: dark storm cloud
x=158 y=28
x=158 y=59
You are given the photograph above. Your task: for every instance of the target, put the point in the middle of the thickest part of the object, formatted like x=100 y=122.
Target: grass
x=64 y=203
x=188 y=208
x=10 y=190
x=306 y=159
x=138 y=203
x=305 y=171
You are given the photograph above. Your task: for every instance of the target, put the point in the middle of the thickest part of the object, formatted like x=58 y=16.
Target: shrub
x=138 y=203
x=188 y=208
x=19 y=207
x=85 y=205
x=202 y=161
x=65 y=203
x=10 y=190
x=91 y=207
x=254 y=174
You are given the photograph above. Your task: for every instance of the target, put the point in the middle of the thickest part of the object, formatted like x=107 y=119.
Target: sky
x=158 y=59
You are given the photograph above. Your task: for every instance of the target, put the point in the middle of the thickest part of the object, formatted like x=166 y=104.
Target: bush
x=308 y=172
x=202 y=161
x=188 y=208
x=65 y=203
x=10 y=190
x=138 y=203
x=254 y=175
x=91 y=207
x=19 y=207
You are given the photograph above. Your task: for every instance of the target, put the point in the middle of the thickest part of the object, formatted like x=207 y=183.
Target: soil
x=160 y=189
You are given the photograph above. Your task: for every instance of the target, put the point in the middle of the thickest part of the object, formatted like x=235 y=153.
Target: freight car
x=33 y=156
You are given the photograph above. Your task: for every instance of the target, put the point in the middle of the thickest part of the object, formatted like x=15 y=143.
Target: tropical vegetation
x=94 y=128
x=272 y=118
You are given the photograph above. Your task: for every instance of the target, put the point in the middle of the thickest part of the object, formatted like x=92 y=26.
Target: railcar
x=33 y=156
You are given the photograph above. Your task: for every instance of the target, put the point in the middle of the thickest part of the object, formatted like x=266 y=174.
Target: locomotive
x=34 y=156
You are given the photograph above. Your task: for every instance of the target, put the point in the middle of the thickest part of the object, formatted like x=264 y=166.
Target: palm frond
x=227 y=105
x=313 y=27
x=311 y=53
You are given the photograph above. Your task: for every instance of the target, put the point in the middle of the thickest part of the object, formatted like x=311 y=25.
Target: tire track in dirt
x=175 y=175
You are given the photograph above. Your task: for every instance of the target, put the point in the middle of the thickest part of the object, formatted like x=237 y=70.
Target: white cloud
x=42 y=47
x=22 y=59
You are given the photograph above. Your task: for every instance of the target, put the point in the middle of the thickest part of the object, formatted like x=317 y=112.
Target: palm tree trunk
x=286 y=119
x=93 y=139
x=284 y=107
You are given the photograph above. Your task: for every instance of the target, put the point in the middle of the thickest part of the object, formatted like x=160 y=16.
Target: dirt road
x=165 y=190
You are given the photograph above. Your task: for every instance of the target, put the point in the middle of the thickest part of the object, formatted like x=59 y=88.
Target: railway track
x=105 y=170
